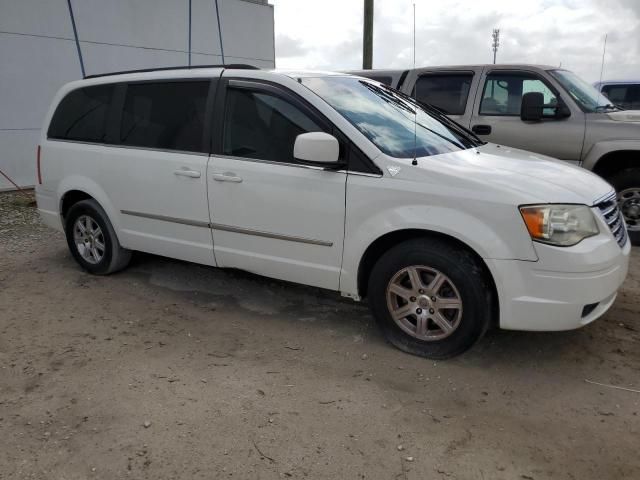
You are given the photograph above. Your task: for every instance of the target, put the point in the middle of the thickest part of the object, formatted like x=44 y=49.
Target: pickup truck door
x=271 y=214
x=496 y=115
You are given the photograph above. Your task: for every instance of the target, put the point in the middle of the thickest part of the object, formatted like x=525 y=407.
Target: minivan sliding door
x=157 y=170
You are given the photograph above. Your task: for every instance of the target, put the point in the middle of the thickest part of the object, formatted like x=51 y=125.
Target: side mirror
x=562 y=110
x=317 y=148
x=532 y=107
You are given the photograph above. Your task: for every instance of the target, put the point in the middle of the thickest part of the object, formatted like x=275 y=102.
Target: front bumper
x=552 y=293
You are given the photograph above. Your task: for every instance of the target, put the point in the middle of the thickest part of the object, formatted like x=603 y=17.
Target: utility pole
x=495 y=43
x=367 y=36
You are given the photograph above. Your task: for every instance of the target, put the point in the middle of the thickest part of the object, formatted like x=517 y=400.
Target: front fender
x=509 y=241
x=600 y=149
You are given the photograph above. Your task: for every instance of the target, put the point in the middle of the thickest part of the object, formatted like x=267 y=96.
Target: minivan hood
x=625 y=116
x=527 y=177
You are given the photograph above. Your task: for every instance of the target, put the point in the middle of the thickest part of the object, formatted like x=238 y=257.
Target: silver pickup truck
x=539 y=108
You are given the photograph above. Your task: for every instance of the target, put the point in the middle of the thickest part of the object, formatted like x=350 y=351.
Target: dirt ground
x=172 y=370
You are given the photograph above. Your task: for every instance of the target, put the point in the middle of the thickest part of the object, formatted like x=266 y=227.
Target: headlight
x=562 y=225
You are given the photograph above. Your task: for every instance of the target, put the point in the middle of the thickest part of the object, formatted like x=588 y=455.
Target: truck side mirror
x=562 y=110
x=532 y=107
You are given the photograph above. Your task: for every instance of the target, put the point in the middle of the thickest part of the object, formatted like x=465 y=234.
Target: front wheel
x=430 y=298
x=627 y=185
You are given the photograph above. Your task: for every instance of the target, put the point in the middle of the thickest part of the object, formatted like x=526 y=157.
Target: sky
x=327 y=34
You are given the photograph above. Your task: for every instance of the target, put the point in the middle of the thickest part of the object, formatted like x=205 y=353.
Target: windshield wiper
x=608 y=106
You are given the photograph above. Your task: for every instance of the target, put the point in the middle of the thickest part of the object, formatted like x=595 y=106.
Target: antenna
x=415 y=93
x=604 y=50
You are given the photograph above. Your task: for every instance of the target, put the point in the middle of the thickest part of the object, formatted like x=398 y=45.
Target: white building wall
x=38 y=53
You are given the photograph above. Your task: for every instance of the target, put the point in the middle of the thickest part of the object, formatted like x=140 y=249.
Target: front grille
x=611 y=214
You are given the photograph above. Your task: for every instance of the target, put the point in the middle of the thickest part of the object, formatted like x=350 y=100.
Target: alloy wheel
x=424 y=303
x=89 y=239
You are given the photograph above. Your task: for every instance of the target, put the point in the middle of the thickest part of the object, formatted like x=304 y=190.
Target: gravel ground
x=173 y=370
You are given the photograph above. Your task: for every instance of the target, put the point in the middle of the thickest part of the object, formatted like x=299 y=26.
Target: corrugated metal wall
x=38 y=52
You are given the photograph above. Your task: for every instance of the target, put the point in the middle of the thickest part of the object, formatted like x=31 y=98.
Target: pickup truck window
x=586 y=96
x=503 y=93
x=388 y=118
x=448 y=92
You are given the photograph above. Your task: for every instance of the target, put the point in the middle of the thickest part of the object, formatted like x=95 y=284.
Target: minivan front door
x=271 y=214
x=496 y=116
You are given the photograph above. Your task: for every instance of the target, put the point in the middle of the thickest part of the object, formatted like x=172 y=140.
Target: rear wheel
x=92 y=239
x=627 y=185
x=430 y=298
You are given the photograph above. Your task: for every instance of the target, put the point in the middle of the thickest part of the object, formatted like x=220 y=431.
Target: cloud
x=289 y=47
x=328 y=34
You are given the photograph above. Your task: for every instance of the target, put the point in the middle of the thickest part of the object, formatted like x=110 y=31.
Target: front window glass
x=263 y=126
x=589 y=99
x=395 y=123
x=503 y=94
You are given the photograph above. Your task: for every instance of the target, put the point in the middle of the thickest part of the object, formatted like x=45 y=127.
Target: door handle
x=481 y=129
x=226 y=177
x=183 y=172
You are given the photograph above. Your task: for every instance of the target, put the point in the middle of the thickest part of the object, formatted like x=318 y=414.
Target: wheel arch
x=70 y=198
x=389 y=240
x=76 y=188
x=615 y=161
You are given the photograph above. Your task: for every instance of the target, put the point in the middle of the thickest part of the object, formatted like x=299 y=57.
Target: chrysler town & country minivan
x=332 y=181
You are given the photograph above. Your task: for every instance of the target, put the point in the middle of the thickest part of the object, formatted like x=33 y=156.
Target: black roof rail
x=239 y=66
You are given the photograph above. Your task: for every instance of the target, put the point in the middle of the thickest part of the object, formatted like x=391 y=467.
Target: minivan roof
x=238 y=66
x=203 y=71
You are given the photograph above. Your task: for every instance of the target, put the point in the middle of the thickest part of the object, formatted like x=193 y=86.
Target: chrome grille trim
x=610 y=212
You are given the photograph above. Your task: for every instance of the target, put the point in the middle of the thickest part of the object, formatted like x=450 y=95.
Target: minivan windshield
x=586 y=95
x=394 y=122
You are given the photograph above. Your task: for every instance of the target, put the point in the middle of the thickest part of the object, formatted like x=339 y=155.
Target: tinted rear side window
x=617 y=94
x=82 y=115
x=447 y=92
x=164 y=115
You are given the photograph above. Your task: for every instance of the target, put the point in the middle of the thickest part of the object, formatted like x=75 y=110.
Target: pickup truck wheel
x=92 y=239
x=430 y=298
x=627 y=184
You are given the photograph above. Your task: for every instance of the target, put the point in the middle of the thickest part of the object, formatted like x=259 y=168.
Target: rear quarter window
x=448 y=92
x=82 y=115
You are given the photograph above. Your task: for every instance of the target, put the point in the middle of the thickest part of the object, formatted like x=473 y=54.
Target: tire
x=97 y=250
x=463 y=285
x=627 y=184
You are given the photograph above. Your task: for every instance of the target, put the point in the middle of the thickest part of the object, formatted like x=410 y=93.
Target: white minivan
x=332 y=181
